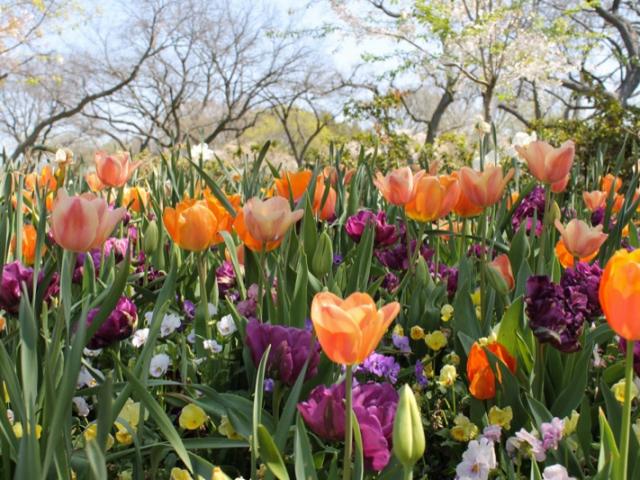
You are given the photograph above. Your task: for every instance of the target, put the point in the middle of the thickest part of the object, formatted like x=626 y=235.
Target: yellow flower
x=501 y=416
x=446 y=312
x=475 y=297
x=570 y=423
x=618 y=390
x=123 y=436
x=180 y=474
x=91 y=432
x=448 y=375
x=464 y=430
x=218 y=474
x=435 y=340
x=417 y=333
x=478 y=312
x=398 y=330
x=453 y=358
x=428 y=369
x=227 y=429
x=17 y=430
x=192 y=417
x=125 y=475
x=130 y=414
x=6 y=393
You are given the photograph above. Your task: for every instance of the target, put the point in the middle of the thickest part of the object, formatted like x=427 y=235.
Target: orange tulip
x=349 y=330
x=239 y=255
x=46 y=180
x=95 y=185
x=618 y=201
x=29 y=240
x=594 y=200
x=293 y=184
x=482 y=381
x=566 y=259
x=434 y=198
x=249 y=241
x=502 y=266
x=135 y=198
x=191 y=225
x=465 y=208
x=325 y=210
x=546 y=163
x=82 y=222
x=580 y=239
x=223 y=216
x=484 y=188
x=609 y=181
x=620 y=293
x=269 y=220
x=114 y=170
x=398 y=186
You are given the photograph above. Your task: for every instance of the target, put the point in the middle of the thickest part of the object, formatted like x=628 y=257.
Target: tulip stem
x=203 y=330
x=626 y=412
x=545 y=230
x=348 y=425
x=407 y=473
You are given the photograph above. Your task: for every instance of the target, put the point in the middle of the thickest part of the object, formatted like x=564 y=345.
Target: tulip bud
x=500 y=274
x=150 y=240
x=323 y=257
x=408 y=432
x=422 y=271
x=555 y=212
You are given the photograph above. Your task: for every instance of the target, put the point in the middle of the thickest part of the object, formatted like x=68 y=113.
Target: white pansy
x=212 y=346
x=213 y=310
x=148 y=317
x=191 y=338
x=226 y=326
x=81 y=406
x=159 y=365
x=170 y=323
x=140 y=337
x=91 y=353
x=85 y=379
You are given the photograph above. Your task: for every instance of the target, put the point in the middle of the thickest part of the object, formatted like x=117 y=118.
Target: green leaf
x=510 y=326
x=96 y=459
x=358 y=464
x=289 y=411
x=304 y=466
x=257 y=399
x=299 y=303
x=270 y=455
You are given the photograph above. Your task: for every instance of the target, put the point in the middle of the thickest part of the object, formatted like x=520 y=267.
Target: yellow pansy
x=618 y=390
x=125 y=475
x=448 y=375
x=130 y=413
x=218 y=474
x=227 y=429
x=570 y=423
x=192 y=417
x=446 y=312
x=435 y=340
x=17 y=430
x=91 y=432
x=475 y=297
x=417 y=333
x=464 y=430
x=398 y=330
x=180 y=474
x=501 y=416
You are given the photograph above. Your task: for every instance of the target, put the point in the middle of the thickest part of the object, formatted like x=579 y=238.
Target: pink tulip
x=559 y=186
x=268 y=220
x=595 y=200
x=580 y=239
x=484 y=188
x=82 y=222
x=546 y=163
x=397 y=186
x=114 y=170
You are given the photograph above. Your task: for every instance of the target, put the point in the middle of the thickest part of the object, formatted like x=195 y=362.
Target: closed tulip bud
x=323 y=257
x=150 y=240
x=500 y=274
x=555 y=212
x=422 y=271
x=408 y=432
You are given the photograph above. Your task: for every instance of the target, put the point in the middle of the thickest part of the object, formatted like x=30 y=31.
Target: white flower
x=91 y=353
x=213 y=310
x=140 y=337
x=170 y=323
x=191 y=338
x=198 y=361
x=148 y=317
x=481 y=126
x=212 y=346
x=520 y=139
x=556 y=472
x=81 y=405
x=201 y=150
x=159 y=365
x=226 y=326
x=10 y=416
x=477 y=461
x=85 y=379
x=61 y=156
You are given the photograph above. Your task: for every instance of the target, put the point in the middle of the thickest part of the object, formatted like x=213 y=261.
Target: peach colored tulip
x=251 y=243
x=328 y=209
x=580 y=239
x=268 y=220
x=594 y=200
x=349 y=330
x=114 y=170
x=397 y=187
x=293 y=184
x=191 y=225
x=619 y=293
x=546 y=163
x=566 y=259
x=484 y=188
x=433 y=197
x=560 y=185
x=82 y=222
x=94 y=183
x=502 y=265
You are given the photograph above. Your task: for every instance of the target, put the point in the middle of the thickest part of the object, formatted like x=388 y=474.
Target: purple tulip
x=290 y=348
x=531 y=206
x=584 y=279
x=374 y=405
x=118 y=325
x=385 y=234
x=226 y=277
x=14 y=274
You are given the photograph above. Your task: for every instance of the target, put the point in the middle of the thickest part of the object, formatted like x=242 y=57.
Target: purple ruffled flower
x=584 y=279
x=118 y=325
x=290 y=348
x=401 y=342
x=226 y=277
x=551 y=433
x=14 y=274
x=397 y=258
x=189 y=309
x=556 y=315
x=385 y=234
x=374 y=405
x=531 y=206
x=391 y=282
x=384 y=367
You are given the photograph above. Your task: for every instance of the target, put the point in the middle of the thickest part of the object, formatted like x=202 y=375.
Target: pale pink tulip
x=548 y=164
x=397 y=186
x=268 y=220
x=484 y=188
x=114 y=170
x=595 y=200
x=580 y=239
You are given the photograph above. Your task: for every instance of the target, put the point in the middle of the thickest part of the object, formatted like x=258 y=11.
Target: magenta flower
x=290 y=348
x=118 y=325
x=14 y=274
x=385 y=234
x=374 y=405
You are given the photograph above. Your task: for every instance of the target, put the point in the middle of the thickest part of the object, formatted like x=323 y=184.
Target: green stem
x=538 y=380
x=348 y=425
x=407 y=473
x=545 y=231
x=263 y=283
x=203 y=330
x=407 y=240
x=626 y=411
